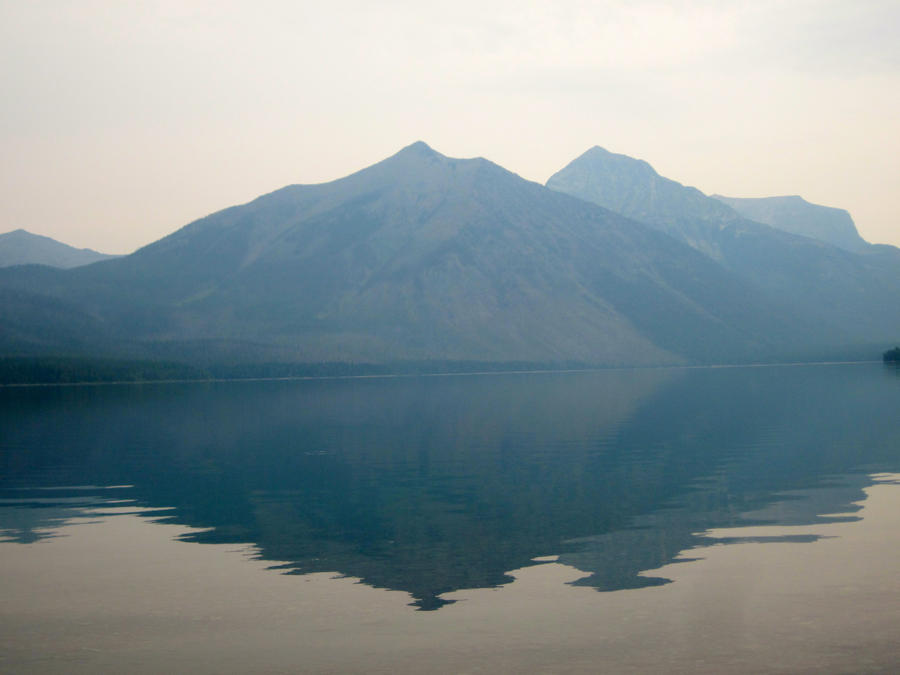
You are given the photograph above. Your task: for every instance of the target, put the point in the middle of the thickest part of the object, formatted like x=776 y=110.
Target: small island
x=892 y=355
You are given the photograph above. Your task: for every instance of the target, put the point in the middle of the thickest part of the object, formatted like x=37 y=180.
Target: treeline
x=72 y=370
x=892 y=355
x=348 y=369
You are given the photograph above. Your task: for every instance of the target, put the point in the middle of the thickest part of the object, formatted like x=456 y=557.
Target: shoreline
x=473 y=373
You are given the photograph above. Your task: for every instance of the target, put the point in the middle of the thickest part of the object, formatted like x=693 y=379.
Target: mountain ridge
x=843 y=292
x=423 y=257
x=794 y=214
x=21 y=247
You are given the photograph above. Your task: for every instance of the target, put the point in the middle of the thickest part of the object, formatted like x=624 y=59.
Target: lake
x=672 y=520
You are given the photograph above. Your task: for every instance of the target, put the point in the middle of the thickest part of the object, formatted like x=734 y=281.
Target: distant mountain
x=20 y=247
x=796 y=215
x=846 y=295
x=632 y=187
x=419 y=257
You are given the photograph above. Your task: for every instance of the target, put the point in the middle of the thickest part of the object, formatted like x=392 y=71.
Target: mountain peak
x=599 y=155
x=21 y=247
x=633 y=188
x=421 y=165
x=419 y=148
x=414 y=154
x=21 y=234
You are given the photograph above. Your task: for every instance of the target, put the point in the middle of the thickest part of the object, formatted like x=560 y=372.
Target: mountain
x=419 y=257
x=632 y=187
x=796 y=215
x=849 y=297
x=20 y=247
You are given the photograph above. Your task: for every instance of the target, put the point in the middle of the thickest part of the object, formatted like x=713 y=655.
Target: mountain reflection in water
x=431 y=485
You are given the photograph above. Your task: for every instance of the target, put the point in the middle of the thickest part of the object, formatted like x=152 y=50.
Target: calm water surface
x=738 y=519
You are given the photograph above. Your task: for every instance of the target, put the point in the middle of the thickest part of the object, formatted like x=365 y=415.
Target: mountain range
x=423 y=258
x=847 y=295
x=796 y=215
x=21 y=247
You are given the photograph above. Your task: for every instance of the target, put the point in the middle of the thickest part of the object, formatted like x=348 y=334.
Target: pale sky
x=123 y=121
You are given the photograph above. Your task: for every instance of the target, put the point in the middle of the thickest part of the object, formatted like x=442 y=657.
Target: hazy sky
x=122 y=121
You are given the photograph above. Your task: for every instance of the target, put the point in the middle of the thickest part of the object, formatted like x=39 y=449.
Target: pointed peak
x=598 y=150
x=416 y=153
x=419 y=148
x=602 y=156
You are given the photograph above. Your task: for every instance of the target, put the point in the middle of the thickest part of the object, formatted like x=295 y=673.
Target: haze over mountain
x=632 y=187
x=20 y=247
x=848 y=295
x=417 y=257
x=422 y=257
x=796 y=215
